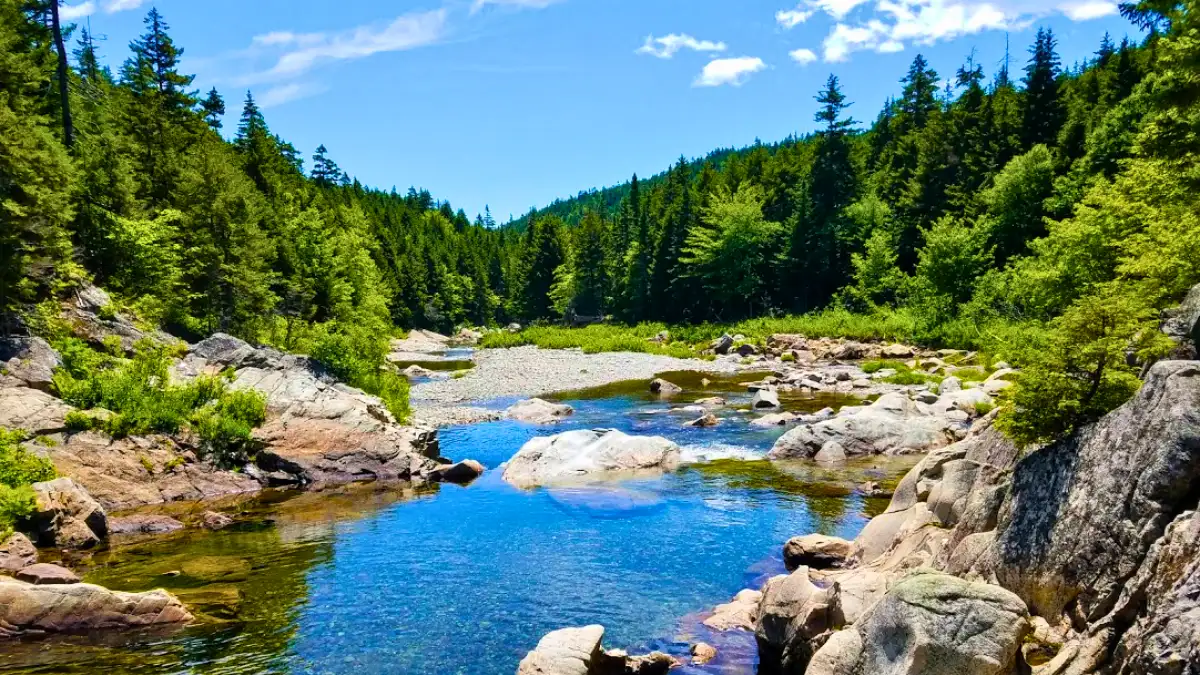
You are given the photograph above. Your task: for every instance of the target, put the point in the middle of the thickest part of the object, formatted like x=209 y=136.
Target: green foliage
x=16 y=504
x=77 y=420
x=1082 y=371
x=18 y=466
x=870 y=367
x=356 y=356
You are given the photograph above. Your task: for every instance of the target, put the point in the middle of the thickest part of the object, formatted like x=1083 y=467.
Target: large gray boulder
x=16 y=553
x=930 y=624
x=1183 y=325
x=538 y=411
x=31 y=360
x=66 y=516
x=892 y=424
x=585 y=455
x=29 y=609
x=818 y=551
x=794 y=617
x=569 y=651
x=740 y=613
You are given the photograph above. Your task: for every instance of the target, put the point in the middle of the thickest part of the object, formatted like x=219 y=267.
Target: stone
x=45 y=574
x=926 y=397
x=17 y=553
x=33 y=411
x=702 y=653
x=28 y=609
x=415 y=372
x=747 y=350
x=831 y=453
x=211 y=520
x=892 y=424
x=538 y=411
x=896 y=351
x=144 y=524
x=793 y=617
x=818 y=551
x=460 y=473
x=933 y=624
x=722 y=345
x=569 y=651
x=66 y=516
x=663 y=388
x=861 y=383
x=775 y=420
x=949 y=385
x=764 y=398
x=583 y=455
x=29 y=359
x=1183 y=326
x=711 y=402
x=709 y=420
x=741 y=613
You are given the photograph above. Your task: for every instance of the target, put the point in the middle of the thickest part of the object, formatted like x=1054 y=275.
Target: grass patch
x=871 y=367
x=912 y=377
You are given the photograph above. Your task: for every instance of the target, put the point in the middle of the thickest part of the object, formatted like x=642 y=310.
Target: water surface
x=452 y=580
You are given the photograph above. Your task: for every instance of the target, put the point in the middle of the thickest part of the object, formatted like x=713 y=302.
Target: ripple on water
x=466 y=580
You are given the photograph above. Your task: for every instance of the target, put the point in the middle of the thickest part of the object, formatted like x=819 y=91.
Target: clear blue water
x=466 y=580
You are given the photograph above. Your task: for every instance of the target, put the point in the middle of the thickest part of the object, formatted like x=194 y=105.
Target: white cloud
x=405 y=32
x=790 y=18
x=893 y=24
x=667 y=46
x=803 y=56
x=88 y=8
x=734 y=71
x=276 y=96
x=1090 y=9
x=72 y=12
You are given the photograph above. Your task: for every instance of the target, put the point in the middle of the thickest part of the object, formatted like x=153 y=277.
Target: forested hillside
x=1051 y=210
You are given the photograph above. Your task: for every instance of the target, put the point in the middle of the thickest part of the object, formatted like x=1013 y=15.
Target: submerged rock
x=741 y=613
x=765 y=398
x=663 y=388
x=211 y=520
x=578 y=651
x=538 y=411
x=585 y=454
x=45 y=574
x=148 y=524
x=28 y=609
x=461 y=472
x=702 y=653
x=709 y=420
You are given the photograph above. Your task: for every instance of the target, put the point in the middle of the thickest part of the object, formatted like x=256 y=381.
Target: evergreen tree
x=214 y=109
x=325 y=171
x=1044 y=114
x=668 y=287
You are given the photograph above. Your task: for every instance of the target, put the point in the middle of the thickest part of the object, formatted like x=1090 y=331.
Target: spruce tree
x=668 y=284
x=1044 y=114
x=214 y=109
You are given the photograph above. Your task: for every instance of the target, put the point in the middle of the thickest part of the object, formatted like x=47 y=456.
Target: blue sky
x=512 y=103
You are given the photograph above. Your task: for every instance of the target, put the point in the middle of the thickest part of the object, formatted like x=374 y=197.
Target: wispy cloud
x=667 y=46
x=803 y=56
x=479 y=5
x=405 y=32
x=1084 y=11
x=734 y=71
x=277 y=96
x=790 y=18
x=90 y=7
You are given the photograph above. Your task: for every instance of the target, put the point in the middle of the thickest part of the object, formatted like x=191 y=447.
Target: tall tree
x=669 y=283
x=62 y=75
x=214 y=109
x=1044 y=114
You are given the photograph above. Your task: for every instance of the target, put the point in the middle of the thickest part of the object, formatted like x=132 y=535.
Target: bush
x=356 y=356
x=16 y=504
x=876 y=366
x=226 y=427
x=19 y=469
x=77 y=420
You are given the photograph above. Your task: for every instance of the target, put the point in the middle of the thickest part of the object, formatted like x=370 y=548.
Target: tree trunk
x=63 y=76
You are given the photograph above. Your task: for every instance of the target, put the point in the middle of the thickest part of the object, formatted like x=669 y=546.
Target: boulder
x=1183 y=325
x=569 y=651
x=764 y=398
x=85 y=317
x=28 y=609
x=702 y=653
x=794 y=617
x=45 y=574
x=931 y=624
x=66 y=516
x=897 y=351
x=738 y=614
x=415 y=372
x=584 y=455
x=747 y=350
x=709 y=420
x=893 y=424
x=29 y=359
x=831 y=453
x=722 y=345
x=949 y=385
x=16 y=553
x=817 y=551
x=537 y=411
x=32 y=410
x=461 y=472
x=143 y=524
x=663 y=388
x=711 y=402
x=775 y=420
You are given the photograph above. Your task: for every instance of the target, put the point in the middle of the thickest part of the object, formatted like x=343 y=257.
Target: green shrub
x=787 y=357
x=16 y=504
x=18 y=466
x=870 y=367
x=355 y=356
x=77 y=420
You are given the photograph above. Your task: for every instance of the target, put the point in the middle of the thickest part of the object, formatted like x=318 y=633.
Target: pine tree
x=668 y=285
x=920 y=94
x=214 y=109
x=161 y=110
x=591 y=266
x=1044 y=114
x=325 y=171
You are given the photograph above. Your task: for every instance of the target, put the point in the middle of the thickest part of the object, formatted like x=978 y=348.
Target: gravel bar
x=524 y=372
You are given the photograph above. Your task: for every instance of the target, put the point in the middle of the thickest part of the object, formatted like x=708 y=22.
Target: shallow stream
x=463 y=581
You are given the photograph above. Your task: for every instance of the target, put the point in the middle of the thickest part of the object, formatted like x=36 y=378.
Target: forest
x=1047 y=209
